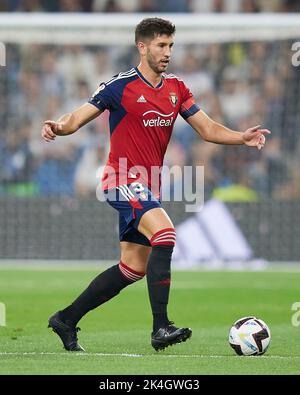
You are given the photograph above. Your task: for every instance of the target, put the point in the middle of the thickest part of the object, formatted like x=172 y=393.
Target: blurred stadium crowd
x=236 y=84
x=239 y=85
x=150 y=5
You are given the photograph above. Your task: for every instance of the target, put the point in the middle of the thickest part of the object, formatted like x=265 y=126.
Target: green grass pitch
x=116 y=336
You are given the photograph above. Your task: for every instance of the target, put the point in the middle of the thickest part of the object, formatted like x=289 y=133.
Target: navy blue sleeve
x=109 y=94
x=104 y=98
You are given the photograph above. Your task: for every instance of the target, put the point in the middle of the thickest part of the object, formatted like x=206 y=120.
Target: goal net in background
x=241 y=73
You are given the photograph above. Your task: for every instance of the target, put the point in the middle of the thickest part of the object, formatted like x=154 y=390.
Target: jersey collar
x=147 y=82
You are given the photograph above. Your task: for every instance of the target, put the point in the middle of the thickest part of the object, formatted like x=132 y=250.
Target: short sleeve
x=188 y=106
x=103 y=98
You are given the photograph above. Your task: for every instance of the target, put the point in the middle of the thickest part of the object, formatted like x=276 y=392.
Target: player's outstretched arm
x=69 y=123
x=213 y=132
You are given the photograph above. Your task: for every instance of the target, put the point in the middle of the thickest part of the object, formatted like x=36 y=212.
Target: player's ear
x=142 y=48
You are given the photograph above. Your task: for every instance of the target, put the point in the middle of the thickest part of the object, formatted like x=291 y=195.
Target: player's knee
x=164 y=237
x=129 y=273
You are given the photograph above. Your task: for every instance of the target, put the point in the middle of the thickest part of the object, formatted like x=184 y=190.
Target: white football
x=249 y=336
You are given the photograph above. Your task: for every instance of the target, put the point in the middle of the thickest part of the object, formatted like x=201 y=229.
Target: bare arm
x=214 y=132
x=69 y=123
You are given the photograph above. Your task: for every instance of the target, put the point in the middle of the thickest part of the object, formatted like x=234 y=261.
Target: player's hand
x=50 y=130
x=255 y=137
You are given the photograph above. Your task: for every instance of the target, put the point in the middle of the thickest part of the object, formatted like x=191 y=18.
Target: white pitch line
x=79 y=354
x=82 y=354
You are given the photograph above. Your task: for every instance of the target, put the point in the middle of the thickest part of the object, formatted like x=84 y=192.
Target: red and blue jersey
x=141 y=121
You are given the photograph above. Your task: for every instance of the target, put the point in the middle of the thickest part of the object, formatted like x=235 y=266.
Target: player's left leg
x=156 y=225
x=105 y=286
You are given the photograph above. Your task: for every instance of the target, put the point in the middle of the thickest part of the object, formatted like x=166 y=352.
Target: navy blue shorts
x=131 y=201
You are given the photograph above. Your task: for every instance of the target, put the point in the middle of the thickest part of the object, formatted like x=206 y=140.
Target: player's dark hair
x=149 y=28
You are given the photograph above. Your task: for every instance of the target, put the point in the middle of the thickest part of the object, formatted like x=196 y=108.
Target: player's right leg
x=104 y=287
x=135 y=250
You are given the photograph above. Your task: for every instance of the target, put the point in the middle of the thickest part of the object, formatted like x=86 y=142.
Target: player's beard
x=155 y=66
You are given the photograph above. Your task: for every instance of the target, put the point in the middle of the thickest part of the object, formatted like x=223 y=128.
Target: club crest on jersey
x=143 y=196
x=173 y=98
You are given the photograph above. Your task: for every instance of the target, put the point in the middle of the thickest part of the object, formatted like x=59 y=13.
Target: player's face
x=159 y=53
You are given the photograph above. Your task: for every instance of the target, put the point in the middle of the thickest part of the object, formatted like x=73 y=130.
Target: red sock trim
x=164 y=237
x=129 y=273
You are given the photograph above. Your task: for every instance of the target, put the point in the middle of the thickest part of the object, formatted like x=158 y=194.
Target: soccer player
x=144 y=103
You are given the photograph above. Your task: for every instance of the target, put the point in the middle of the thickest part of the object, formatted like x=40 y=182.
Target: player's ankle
x=160 y=321
x=67 y=318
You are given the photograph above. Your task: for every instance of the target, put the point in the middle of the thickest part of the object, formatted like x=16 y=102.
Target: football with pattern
x=249 y=336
